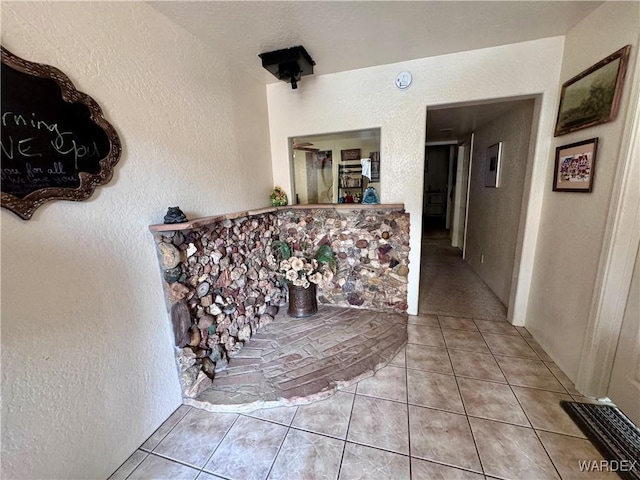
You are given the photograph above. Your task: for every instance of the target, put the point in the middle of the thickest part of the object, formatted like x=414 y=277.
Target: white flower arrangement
x=302 y=271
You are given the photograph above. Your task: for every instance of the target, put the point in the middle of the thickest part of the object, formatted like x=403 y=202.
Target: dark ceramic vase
x=302 y=301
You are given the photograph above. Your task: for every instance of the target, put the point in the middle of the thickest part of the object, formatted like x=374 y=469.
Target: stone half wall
x=221 y=281
x=372 y=249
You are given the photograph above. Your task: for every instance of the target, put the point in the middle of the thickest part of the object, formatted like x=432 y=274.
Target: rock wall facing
x=221 y=280
x=372 y=249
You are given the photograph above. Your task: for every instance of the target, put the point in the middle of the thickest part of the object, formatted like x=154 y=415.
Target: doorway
x=439 y=168
x=479 y=220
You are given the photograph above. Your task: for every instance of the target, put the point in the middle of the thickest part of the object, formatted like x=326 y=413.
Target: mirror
x=328 y=168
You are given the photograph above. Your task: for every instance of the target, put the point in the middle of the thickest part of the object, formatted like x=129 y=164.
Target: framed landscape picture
x=574 y=167
x=351 y=154
x=593 y=96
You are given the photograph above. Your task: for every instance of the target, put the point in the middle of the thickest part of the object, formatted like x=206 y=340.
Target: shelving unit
x=375 y=166
x=436 y=204
x=350 y=179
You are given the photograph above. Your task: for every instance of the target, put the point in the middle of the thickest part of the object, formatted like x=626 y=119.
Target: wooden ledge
x=203 y=221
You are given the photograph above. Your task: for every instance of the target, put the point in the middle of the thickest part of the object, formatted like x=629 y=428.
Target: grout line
x=293 y=419
x=430 y=371
x=426 y=344
x=565 y=391
x=505 y=335
x=173 y=460
x=406 y=389
x=438 y=409
x=503 y=421
x=536 y=388
x=482 y=379
x=413 y=456
x=514 y=393
x=221 y=476
x=528 y=341
x=401 y=402
x=168 y=432
x=326 y=435
x=553 y=375
x=548 y=455
x=457 y=467
x=563 y=434
x=180 y=462
x=522 y=334
x=462 y=329
x=248 y=414
x=353 y=442
x=529 y=420
x=450 y=465
x=484 y=352
x=466 y=414
x=558 y=379
x=560 y=433
x=537 y=359
x=284 y=438
x=542 y=390
x=346 y=435
x=134 y=468
x=220 y=442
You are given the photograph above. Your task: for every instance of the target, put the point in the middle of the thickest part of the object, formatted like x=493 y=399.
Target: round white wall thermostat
x=403 y=80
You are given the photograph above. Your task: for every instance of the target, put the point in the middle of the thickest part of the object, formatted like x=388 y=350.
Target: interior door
x=460 y=198
x=458 y=229
x=312 y=179
x=624 y=387
x=450 y=186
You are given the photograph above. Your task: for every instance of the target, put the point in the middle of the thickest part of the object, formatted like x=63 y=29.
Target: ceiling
x=451 y=123
x=348 y=35
x=368 y=133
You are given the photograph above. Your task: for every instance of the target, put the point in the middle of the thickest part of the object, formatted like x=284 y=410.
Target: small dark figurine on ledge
x=174 y=215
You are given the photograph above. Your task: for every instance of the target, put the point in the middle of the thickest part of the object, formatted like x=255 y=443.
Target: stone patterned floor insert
x=295 y=361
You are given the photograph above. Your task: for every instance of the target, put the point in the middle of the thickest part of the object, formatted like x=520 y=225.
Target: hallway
x=470 y=397
x=447 y=284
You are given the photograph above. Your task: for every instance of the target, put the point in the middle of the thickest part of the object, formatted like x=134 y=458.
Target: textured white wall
x=87 y=367
x=569 y=246
x=494 y=213
x=368 y=98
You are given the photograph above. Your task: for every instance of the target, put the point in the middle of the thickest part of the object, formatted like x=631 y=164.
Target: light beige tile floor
x=468 y=398
x=436 y=412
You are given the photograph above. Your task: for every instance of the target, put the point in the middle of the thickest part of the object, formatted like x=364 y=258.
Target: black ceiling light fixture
x=288 y=64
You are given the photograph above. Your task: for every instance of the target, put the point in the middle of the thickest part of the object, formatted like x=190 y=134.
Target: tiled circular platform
x=297 y=361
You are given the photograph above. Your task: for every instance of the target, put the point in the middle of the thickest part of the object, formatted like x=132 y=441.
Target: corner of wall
x=569 y=246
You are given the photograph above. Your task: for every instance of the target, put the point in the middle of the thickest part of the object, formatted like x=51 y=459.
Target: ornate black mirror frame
x=25 y=207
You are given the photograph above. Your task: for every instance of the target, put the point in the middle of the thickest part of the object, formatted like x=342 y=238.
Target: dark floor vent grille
x=613 y=434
